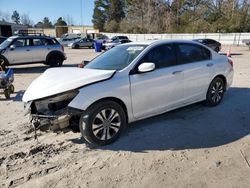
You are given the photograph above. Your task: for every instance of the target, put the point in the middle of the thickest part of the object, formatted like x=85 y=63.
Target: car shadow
x=36 y=69
x=16 y=96
x=232 y=54
x=192 y=127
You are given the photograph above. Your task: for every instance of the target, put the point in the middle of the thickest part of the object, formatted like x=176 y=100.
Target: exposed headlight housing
x=52 y=104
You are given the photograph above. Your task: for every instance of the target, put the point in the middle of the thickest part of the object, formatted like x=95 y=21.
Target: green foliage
x=15 y=17
x=172 y=16
x=108 y=14
x=46 y=23
x=60 y=22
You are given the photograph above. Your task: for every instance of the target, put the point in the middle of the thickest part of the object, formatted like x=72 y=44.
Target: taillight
x=230 y=61
x=62 y=48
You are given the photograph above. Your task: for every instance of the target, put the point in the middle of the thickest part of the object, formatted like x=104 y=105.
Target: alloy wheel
x=106 y=124
x=217 y=92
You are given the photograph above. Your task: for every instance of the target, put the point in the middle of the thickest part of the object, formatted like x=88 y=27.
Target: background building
x=7 y=29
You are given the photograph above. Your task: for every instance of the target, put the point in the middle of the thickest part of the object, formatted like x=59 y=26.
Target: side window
x=38 y=42
x=206 y=53
x=209 y=41
x=188 y=53
x=20 y=42
x=162 y=56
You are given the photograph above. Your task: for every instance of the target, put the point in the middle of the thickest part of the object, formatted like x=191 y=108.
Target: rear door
x=39 y=49
x=155 y=92
x=197 y=70
x=22 y=53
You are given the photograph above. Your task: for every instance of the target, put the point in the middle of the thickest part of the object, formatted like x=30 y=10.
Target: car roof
x=31 y=36
x=163 y=41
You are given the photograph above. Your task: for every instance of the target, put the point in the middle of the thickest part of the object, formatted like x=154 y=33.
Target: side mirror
x=12 y=47
x=146 y=67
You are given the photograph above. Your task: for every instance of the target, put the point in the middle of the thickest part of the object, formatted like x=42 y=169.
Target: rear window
x=51 y=42
x=188 y=53
x=123 y=37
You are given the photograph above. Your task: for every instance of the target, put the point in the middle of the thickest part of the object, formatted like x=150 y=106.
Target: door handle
x=176 y=72
x=210 y=64
x=28 y=50
x=48 y=48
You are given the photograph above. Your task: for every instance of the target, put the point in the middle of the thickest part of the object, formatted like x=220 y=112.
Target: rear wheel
x=55 y=61
x=215 y=92
x=103 y=123
x=7 y=93
x=77 y=46
x=217 y=49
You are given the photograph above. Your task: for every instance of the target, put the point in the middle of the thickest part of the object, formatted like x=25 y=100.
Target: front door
x=21 y=53
x=157 y=91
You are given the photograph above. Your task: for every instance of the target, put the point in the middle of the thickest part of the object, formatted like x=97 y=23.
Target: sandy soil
x=195 y=146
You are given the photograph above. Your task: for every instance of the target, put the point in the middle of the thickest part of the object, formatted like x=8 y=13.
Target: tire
x=96 y=125
x=6 y=93
x=215 y=92
x=3 y=63
x=11 y=89
x=77 y=46
x=55 y=61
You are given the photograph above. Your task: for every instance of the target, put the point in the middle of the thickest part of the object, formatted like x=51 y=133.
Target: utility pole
x=81 y=9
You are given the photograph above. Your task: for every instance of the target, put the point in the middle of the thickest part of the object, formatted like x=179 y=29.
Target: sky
x=38 y=9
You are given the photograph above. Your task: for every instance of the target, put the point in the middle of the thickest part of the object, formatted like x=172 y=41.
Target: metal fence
x=223 y=38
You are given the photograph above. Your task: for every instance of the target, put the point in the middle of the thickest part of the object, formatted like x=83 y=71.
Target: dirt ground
x=195 y=146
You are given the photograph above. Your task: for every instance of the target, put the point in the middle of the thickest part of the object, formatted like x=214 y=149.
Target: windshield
x=6 y=43
x=117 y=58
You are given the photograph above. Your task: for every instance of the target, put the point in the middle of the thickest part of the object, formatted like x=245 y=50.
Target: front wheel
x=103 y=123
x=215 y=92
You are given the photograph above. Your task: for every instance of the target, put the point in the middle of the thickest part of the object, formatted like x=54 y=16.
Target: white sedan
x=130 y=82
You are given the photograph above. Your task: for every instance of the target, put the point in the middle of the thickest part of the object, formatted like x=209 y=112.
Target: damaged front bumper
x=52 y=113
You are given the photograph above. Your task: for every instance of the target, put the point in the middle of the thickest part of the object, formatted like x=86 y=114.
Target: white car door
x=156 y=91
x=21 y=53
x=197 y=70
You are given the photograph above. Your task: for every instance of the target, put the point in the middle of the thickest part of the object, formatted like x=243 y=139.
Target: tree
x=39 y=25
x=4 y=16
x=175 y=16
x=69 y=20
x=15 y=17
x=100 y=14
x=115 y=14
x=60 y=22
x=47 y=23
x=25 y=20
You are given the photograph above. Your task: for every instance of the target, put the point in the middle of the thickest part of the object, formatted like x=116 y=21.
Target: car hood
x=58 y=80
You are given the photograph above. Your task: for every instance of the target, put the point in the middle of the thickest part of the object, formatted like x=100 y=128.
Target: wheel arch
x=5 y=59
x=223 y=78
x=54 y=53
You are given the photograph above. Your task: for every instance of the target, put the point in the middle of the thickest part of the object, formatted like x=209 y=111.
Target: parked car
x=89 y=43
x=67 y=41
x=246 y=42
x=101 y=38
x=215 y=45
x=130 y=82
x=32 y=49
x=2 y=39
x=114 y=41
